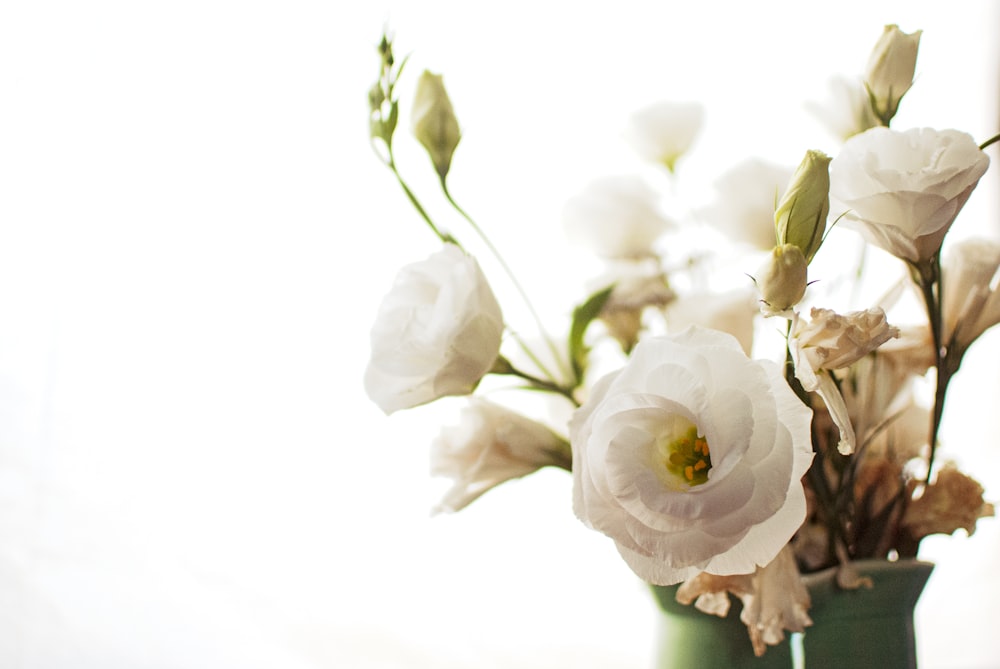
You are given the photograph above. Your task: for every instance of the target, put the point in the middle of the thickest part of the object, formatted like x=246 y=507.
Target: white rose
x=903 y=190
x=437 y=332
x=618 y=217
x=663 y=132
x=490 y=445
x=691 y=458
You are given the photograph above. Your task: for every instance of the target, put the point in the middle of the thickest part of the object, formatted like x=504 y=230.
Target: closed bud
x=782 y=279
x=889 y=74
x=434 y=121
x=801 y=215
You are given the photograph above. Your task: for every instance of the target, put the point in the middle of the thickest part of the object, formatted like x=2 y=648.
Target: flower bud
x=782 y=279
x=801 y=215
x=889 y=74
x=434 y=121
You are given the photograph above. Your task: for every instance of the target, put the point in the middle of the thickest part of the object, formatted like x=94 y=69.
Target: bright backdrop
x=194 y=236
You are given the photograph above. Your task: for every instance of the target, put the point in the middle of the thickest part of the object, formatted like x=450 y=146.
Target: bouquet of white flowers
x=707 y=467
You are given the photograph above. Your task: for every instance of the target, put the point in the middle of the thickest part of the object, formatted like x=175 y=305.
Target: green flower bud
x=434 y=121
x=782 y=279
x=801 y=215
x=889 y=74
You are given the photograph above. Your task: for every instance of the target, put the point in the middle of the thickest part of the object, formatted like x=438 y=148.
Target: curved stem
x=520 y=289
x=503 y=366
x=928 y=276
x=390 y=162
x=991 y=140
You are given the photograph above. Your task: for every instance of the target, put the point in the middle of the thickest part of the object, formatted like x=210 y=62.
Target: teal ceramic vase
x=866 y=628
x=690 y=639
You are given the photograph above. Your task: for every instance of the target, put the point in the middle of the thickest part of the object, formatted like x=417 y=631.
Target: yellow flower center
x=686 y=455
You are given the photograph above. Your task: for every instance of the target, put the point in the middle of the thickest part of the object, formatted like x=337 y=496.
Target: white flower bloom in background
x=617 y=217
x=746 y=196
x=663 y=132
x=490 y=445
x=691 y=458
x=890 y=69
x=971 y=302
x=637 y=287
x=903 y=190
x=731 y=312
x=436 y=333
x=847 y=109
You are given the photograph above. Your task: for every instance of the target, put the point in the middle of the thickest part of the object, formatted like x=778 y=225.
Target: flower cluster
x=705 y=465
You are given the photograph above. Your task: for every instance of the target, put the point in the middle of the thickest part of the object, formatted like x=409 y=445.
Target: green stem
x=928 y=276
x=829 y=504
x=390 y=162
x=504 y=366
x=520 y=289
x=992 y=140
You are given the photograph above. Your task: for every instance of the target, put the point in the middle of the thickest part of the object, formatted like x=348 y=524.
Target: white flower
x=890 y=69
x=436 y=333
x=746 y=197
x=847 y=110
x=731 y=312
x=971 y=282
x=831 y=341
x=691 y=458
x=618 y=217
x=663 y=132
x=491 y=444
x=903 y=190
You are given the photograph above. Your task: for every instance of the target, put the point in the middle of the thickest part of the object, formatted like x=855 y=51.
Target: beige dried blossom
x=952 y=501
x=774 y=599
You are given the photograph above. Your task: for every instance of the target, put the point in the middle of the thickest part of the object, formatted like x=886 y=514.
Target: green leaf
x=583 y=316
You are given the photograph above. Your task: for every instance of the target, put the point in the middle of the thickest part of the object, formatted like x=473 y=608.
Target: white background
x=194 y=236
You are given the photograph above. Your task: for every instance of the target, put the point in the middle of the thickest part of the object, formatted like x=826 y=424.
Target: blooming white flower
x=618 y=217
x=436 y=333
x=971 y=302
x=903 y=190
x=663 y=132
x=691 y=458
x=847 y=110
x=490 y=445
x=746 y=196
